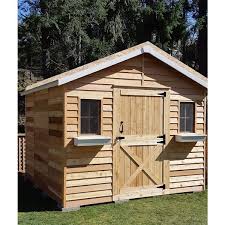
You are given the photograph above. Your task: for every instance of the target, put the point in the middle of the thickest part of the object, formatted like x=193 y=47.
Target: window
x=187 y=117
x=90 y=116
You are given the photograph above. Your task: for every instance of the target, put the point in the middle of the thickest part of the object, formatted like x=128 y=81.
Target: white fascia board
x=39 y=88
x=174 y=65
x=130 y=55
x=116 y=60
x=101 y=66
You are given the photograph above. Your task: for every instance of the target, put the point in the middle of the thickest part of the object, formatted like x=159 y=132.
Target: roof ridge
x=82 y=66
x=113 y=59
x=177 y=60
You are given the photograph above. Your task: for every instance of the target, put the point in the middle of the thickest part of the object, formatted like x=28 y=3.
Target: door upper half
x=140 y=115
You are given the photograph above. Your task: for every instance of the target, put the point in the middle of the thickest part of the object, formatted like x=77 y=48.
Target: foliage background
x=58 y=35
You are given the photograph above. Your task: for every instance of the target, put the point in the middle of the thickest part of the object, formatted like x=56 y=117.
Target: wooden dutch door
x=140 y=132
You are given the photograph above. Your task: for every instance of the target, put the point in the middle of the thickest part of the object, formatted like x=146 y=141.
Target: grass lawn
x=182 y=209
x=178 y=209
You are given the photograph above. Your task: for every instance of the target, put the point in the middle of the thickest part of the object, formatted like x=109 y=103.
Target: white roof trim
x=174 y=65
x=118 y=59
x=101 y=66
x=42 y=87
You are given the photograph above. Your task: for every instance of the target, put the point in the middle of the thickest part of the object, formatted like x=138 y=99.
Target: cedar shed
x=130 y=125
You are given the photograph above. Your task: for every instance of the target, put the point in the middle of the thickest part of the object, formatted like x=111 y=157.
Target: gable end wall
x=88 y=177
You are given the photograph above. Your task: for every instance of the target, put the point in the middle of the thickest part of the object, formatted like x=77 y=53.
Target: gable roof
x=114 y=59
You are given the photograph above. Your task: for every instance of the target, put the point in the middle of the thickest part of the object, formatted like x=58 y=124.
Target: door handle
x=121 y=127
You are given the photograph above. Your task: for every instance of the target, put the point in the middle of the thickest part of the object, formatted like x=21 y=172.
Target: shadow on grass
x=31 y=199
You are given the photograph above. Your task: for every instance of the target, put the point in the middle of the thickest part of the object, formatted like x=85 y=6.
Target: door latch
x=120 y=138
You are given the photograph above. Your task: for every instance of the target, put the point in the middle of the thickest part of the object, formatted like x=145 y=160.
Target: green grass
x=178 y=209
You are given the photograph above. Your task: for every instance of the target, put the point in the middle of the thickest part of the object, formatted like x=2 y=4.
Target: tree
x=25 y=78
x=56 y=36
x=62 y=34
x=202 y=36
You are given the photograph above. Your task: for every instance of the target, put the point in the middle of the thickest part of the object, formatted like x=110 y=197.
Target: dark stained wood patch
x=55 y=133
x=57 y=120
x=30 y=119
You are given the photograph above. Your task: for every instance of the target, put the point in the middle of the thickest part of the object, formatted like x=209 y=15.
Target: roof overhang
x=101 y=66
x=174 y=65
x=42 y=87
x=118 y=59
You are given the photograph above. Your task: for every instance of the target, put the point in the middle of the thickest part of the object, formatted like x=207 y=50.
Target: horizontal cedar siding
x=45 y=173
x=29 y=132
x=55 y=144
x=186 y=165
x=89 y=168
x=129 y=73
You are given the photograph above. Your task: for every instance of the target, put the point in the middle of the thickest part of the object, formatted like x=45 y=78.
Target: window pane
x=189 y=125
x=94 y=125
x=84 y=126
x=94 y=108
x=189 y=110
x=186 y=117
x=182 y=109
x=84 y=108
x=182 y=125
x=90 y=116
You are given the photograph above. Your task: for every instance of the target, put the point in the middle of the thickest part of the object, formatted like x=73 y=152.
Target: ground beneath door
x=177 y=209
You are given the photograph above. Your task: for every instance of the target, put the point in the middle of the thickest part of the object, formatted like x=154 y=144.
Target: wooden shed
x=127 y=126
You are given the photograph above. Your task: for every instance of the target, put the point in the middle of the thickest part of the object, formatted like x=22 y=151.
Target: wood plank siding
x=84 y=175
x=44 y=137
x=88 y=178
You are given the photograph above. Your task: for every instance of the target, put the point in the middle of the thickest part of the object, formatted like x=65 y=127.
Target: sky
x=23 y=10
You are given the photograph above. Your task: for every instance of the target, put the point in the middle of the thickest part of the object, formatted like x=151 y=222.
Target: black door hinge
x=162 y=186
x=163 y=94
x=164 y=139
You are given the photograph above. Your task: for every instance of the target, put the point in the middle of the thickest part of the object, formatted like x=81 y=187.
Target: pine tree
x=202 y=36
x=59 y=35
x=55 y=36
